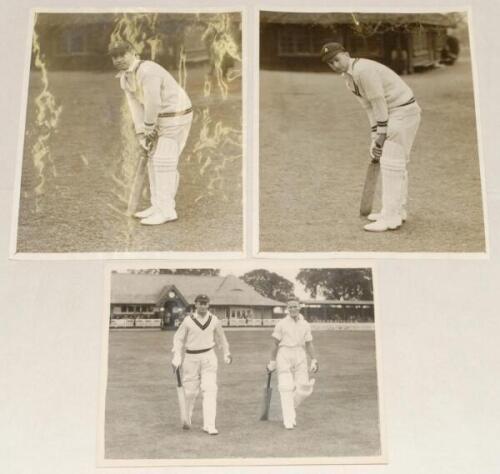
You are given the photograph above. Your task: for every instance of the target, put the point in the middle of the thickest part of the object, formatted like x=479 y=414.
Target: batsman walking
x=162 y=114
x=292 y=342
x=196 y=339
x=394 y=117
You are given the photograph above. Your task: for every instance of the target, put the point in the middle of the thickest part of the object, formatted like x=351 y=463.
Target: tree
x=338 y=283
x=269 y=284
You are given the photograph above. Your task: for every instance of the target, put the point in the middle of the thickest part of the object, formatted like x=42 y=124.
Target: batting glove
x=150 y=138
x=271 y=367
x=176 y=361
x=228 y=359
x=314 y=366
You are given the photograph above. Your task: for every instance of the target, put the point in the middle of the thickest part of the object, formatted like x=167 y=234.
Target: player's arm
x=271 y=366
x=151 y=86
x=367 y=106
x=136 y=111
x=310 y=350
x=372 y=85
x=223 y=343
x=178 y=345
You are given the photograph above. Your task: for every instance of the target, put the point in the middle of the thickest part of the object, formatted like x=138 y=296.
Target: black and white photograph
x=133 y=135
x=368 y=134
x=240 y=365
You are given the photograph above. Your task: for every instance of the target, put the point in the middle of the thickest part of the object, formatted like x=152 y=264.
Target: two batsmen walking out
x=292 y=342
x=394 y=117
x=195 y=340
x=193 y=348
x=162 y=114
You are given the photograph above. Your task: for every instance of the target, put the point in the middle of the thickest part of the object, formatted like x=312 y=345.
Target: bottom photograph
x=239 y=365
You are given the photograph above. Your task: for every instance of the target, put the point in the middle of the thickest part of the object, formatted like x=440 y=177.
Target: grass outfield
x=314 y=140
x=340 y=418
x=81 y=209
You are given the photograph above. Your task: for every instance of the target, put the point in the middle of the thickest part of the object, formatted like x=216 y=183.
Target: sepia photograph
x=240 y=365
x=368 y=134
x=133 y=135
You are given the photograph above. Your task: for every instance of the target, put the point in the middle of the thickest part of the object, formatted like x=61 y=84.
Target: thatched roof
x=147 y=289
x=325 y=19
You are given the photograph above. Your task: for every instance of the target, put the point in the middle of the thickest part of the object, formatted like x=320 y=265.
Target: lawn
x=341 y=417
x=314 y=140
x=82 y=201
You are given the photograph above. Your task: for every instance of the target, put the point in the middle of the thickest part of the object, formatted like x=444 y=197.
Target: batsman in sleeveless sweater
x=394 y=117
x=162 y=114
x=193 y=349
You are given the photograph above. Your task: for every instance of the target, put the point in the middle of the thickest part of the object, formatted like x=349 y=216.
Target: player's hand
x=176 y=362
x=271 y=366
x=314 y=366
x=142 y=141
x=375 y=152
x=150 y=138
x=378 y=145
x=228 y=359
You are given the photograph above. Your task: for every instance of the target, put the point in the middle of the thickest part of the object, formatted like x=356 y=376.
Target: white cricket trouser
x=200 y=372
x=293 y=380
x=403 y=125
x=162 y=166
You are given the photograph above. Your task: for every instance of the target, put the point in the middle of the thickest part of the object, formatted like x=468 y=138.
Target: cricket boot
x=158 y=218
x=145 y=213
x=209 y=412
x=375 y=216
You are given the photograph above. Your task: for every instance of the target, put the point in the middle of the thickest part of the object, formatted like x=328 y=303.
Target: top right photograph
x=368 y=134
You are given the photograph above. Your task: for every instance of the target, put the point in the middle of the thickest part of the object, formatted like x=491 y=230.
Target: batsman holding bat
x=394 y=117
x=292 y=342
x=196 y=339
x=162 y=113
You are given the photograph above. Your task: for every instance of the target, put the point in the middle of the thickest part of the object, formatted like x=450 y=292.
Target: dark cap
x=202 y=299
x=118 y=48
x=330 y=50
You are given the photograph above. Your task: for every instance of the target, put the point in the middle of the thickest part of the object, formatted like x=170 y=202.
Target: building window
x=296 y=41
x=241 y=313
x=72 y=42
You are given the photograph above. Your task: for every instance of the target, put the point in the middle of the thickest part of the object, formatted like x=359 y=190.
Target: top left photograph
x=132 y=135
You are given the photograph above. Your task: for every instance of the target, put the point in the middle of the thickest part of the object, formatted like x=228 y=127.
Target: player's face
x=339 y=63
x=123 y=61
x=201 y=308
x=294 y=309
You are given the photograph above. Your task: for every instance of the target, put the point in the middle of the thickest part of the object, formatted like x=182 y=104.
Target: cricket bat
x=138 y=184
x=267 y=399
x=372 y=174
x=182 y=400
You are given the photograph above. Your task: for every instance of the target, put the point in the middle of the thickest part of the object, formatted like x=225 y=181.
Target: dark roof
x=326 y=19
x=146 y=289
x=84 y=19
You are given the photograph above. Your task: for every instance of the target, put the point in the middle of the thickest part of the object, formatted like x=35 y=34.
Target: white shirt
x=291 y=333
x=197 y=333
x=151 y=90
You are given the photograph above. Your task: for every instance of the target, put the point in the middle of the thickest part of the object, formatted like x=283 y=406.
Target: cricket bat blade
x=369 y=188
x=138 y=184
x=181 y=397
x=267 y=399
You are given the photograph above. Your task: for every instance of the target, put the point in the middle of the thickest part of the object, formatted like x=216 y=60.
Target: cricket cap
x=118 y=48
x=202 y=299
x=330 y=50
